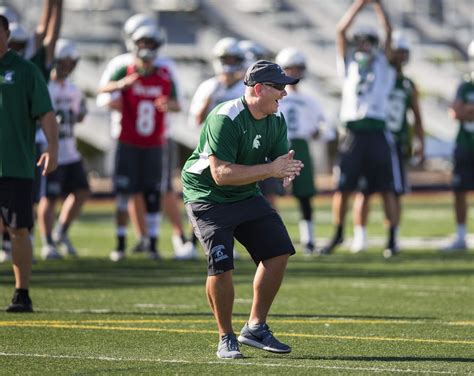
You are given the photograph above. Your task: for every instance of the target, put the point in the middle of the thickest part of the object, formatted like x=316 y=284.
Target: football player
x=367 y=150
x=143 y=94
x=462 y=109
x=70 y=177
x=403 y=99
x=304 y=117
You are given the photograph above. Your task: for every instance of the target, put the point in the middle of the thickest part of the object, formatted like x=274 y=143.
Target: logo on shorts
x=218 y=254
x=256 y=142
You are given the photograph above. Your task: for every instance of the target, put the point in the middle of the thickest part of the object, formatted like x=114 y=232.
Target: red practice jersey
x=142 y=124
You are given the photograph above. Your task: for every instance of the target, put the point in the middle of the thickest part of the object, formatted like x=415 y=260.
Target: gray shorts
x=253 y=222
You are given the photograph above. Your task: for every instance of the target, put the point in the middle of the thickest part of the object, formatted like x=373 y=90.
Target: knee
x=152 y=201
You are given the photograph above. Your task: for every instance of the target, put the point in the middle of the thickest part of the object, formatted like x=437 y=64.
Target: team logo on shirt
x=256 y=142
x=7 y=78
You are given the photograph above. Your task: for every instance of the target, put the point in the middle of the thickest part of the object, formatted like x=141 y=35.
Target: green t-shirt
x=232 y=134
x=399 y=102
x=24 y=97
x=465 y=94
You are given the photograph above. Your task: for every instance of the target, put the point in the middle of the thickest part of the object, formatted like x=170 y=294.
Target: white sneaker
x=64 y=241
x=49 y=252
x=456 y=246
x=116 y=256
x=187 y=252
x=5 y=256
x=358 y=245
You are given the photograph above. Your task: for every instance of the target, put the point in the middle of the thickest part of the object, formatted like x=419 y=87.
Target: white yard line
x=232 y=363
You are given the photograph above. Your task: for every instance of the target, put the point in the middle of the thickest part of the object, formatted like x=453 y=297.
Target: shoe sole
x=258 y=345
x=234 y=357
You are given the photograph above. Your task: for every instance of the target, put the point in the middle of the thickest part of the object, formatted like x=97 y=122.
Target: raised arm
x=53 y=30
x=384 y=20
x=344 y=24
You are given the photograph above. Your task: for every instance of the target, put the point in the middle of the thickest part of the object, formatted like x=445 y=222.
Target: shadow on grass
x=95 y=273
x=243 y=315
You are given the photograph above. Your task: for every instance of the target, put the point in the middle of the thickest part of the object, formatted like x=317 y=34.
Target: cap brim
x=287 y=80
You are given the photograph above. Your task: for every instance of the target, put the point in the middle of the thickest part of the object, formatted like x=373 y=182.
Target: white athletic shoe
x=186 y=252
x=64 y=241
x=358 y=245
x=456 y=246
x=5 y=256
x=116 y=256
x=49 y=252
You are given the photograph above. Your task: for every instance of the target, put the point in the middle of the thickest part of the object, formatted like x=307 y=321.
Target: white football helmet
x=152 y=33
x=290 y=57
x=18 y=33
x=254 y=51
x=9 y=14
x=65 y=49
x=133 y=23
x=228 y=56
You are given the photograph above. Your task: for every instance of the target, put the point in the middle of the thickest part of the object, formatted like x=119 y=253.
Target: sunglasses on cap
x=279 y=87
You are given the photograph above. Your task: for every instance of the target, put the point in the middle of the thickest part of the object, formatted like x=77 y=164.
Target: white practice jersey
x=365 y=92
x=118 y=62
x=303 y=115
x=66 y=98
x=215 y=92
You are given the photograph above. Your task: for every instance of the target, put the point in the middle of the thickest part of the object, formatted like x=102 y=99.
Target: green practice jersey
x=231 y=134
x=399 y=103
x=24 y=97
x=465 y=94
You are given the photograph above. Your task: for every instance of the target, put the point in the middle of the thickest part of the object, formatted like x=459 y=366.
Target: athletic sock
x=121 y=238
x=461 y=231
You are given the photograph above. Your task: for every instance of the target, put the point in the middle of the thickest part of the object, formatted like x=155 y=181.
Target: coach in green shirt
x=242 y=142
x=24 y=99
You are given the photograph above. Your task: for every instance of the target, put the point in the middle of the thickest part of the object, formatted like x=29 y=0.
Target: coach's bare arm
x=226 y=173
x=49 y=158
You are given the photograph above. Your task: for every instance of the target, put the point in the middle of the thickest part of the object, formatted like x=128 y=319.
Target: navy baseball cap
x=265 y=71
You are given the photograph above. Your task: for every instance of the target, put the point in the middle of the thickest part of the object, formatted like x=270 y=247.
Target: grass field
x=342 y=314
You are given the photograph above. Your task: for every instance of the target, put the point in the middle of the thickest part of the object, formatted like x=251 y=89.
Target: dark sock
x=391 y=237
x=339 y=232
x=121 y=243
x=153 y=241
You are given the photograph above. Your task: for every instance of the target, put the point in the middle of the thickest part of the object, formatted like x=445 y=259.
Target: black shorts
x=463 y=173
x=168 y=163
x=66 y=179
x=16 y=202
x=367 y=161
x=253 y=222
x=137 y=169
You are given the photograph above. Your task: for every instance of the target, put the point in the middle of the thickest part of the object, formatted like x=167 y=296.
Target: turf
x=342 y=314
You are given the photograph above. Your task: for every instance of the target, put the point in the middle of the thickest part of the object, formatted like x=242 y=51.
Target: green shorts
x=303 y=185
